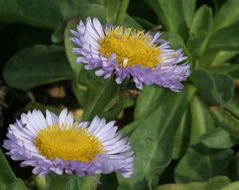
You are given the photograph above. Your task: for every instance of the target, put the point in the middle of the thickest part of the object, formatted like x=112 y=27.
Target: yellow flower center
x=131 y=48
x=68 y=143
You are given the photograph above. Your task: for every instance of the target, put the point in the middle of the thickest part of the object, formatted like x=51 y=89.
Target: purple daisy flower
x=57 y=144
x=129 y=53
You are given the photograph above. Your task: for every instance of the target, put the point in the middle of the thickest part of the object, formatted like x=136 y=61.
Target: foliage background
x=189 y=139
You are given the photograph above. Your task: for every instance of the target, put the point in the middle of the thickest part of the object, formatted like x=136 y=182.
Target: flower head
x=62 y=146
x=129 y=53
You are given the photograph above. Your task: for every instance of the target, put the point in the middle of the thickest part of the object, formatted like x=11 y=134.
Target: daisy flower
x=129 y=53
x=57 y=144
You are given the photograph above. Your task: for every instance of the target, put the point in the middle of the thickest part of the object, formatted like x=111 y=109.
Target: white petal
x=62 y=116
x=98 y=27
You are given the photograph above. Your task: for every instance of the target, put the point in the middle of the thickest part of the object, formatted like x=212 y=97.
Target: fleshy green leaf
x=188 y=8
x=76 y=67
x=216 y=183
x=223 y=56
x=153 y=139
x=125 y=186
x=41 y=107
x=171 y=14
x=232 y=186
x=8 y=180
x=202 y=21
x=44 y=13
x=85 y=9
x=31 y=67
x=147 y=101
x=201 y=119
x=228 y=69
x=226 y=120
x=199 y=31
x=111 y=10
x=225 y=39
x=201 y=163
x=227 y=14
x=176 y=42
x=100 y=100
x=233 y=107
x=70 y=182
x=17 y=185
x=6 y=175
x=219 y=139
x=216 y=89
x=182 y=136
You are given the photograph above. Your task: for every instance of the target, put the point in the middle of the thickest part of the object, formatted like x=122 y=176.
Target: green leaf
x=227 y=14
x=88 y=182
x=147 y=25
x=216 y=89
x=70 y=182
x=176 y=42
x=81 y=92
x=226 y=120
x=31 y=67
x=171 y=15
x=219 y=139
x=128 y=129
x=123 y=5
x=8 y=180
x=225 y=39
x=72 y=9
x=6 y=175
x=44 y=13
x=215 y=183
x=41 y=107
x=100 y=99
x=130 y=22
x=153 y=139
x=147 y=101
x=188 y=8
x=17 y=185
x=201 y=163
x=182 y=137
x=111 y=10
x=58 y=35
x=223 y=56
x=201 y=119
x=199 y=31
x=233 y=107
x=232 y=186
x=202 y=21
x=125 y=186
x=226 y=68
x=71 y=25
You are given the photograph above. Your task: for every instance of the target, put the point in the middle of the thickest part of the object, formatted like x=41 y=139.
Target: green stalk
x=122 y=12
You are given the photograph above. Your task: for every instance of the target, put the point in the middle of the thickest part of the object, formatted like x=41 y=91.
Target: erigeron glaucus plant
x=164 y=72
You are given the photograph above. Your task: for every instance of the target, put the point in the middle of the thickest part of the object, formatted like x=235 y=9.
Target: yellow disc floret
x=131 y=47
x=68 y=143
